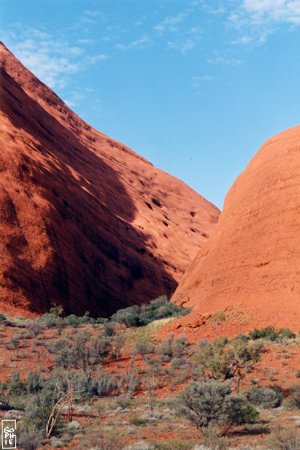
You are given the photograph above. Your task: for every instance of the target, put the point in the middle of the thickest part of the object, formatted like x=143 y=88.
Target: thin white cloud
x=256 y=20
x=274 y=10
x=90 y=17
x=46 y=62
x=50 y=58
x=183 y=46
x=92 y=59
x=224 y=59
x=141 y=42
x=170 y=24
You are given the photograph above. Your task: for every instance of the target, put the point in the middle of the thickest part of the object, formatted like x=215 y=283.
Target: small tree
x=222 y=360
x=210 y=403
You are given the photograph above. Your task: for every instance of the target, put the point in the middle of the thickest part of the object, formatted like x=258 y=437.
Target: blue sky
x=195 y=86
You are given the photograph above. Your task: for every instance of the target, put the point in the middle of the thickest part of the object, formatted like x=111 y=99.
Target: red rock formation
x=250 y=268
x=84 y=221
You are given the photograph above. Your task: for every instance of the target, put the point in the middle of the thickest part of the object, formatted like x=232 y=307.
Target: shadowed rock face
x=84 y=221
x=252 y=262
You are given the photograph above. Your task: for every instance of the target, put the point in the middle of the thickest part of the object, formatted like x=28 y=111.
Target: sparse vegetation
x=223 y=360
x=118 y=373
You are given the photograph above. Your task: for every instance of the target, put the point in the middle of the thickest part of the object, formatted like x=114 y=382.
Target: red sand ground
x=84 y=221
x=250 y=268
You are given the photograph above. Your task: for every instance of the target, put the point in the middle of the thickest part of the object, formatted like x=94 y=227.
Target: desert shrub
x=72 y=320
x=99 y=347
x=75 y=321
x=211 y=403
x=101 y=320
x=265 y=397
x=166 y=348
x=109 y=329
x=295 y=395
x=106 y=384
x=84 y=352
x=144 y=348
x=29 y=437
x=83 y=385
x=128 y=383
x=136 y=316
x=86 y=387
x=117 y=344
x=57 y=310
x=269 y=333
x=57 y=346
x=35 y=329
x=15 y=341
x=240 y=411
x=286 y=333
x=65 y=354
x=34 y=383
x=50 y=320
x=129 y=316
x=284 y=439
x=38 y=408
x=15 y=386
x=242 y=337
x=2 y=318
x=171 y=348
x=263 y=333
x=180 y=346
x=222 y=360
x=138 y=421
x=160 y=308
x=180 y=363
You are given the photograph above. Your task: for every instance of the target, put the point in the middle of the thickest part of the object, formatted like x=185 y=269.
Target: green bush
x=34 y=383
x=136 y=316
x=240 y=411
x=144 y=348
x=15 y=385
x=211 y=403
x=265 y=397
x=222 y=360
x=129 y=316
x=83 y=353
x=271 y=334
x=286 y=333
x=2 y=318
x=75 y=321
x=85 y=387
x=50 y=320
